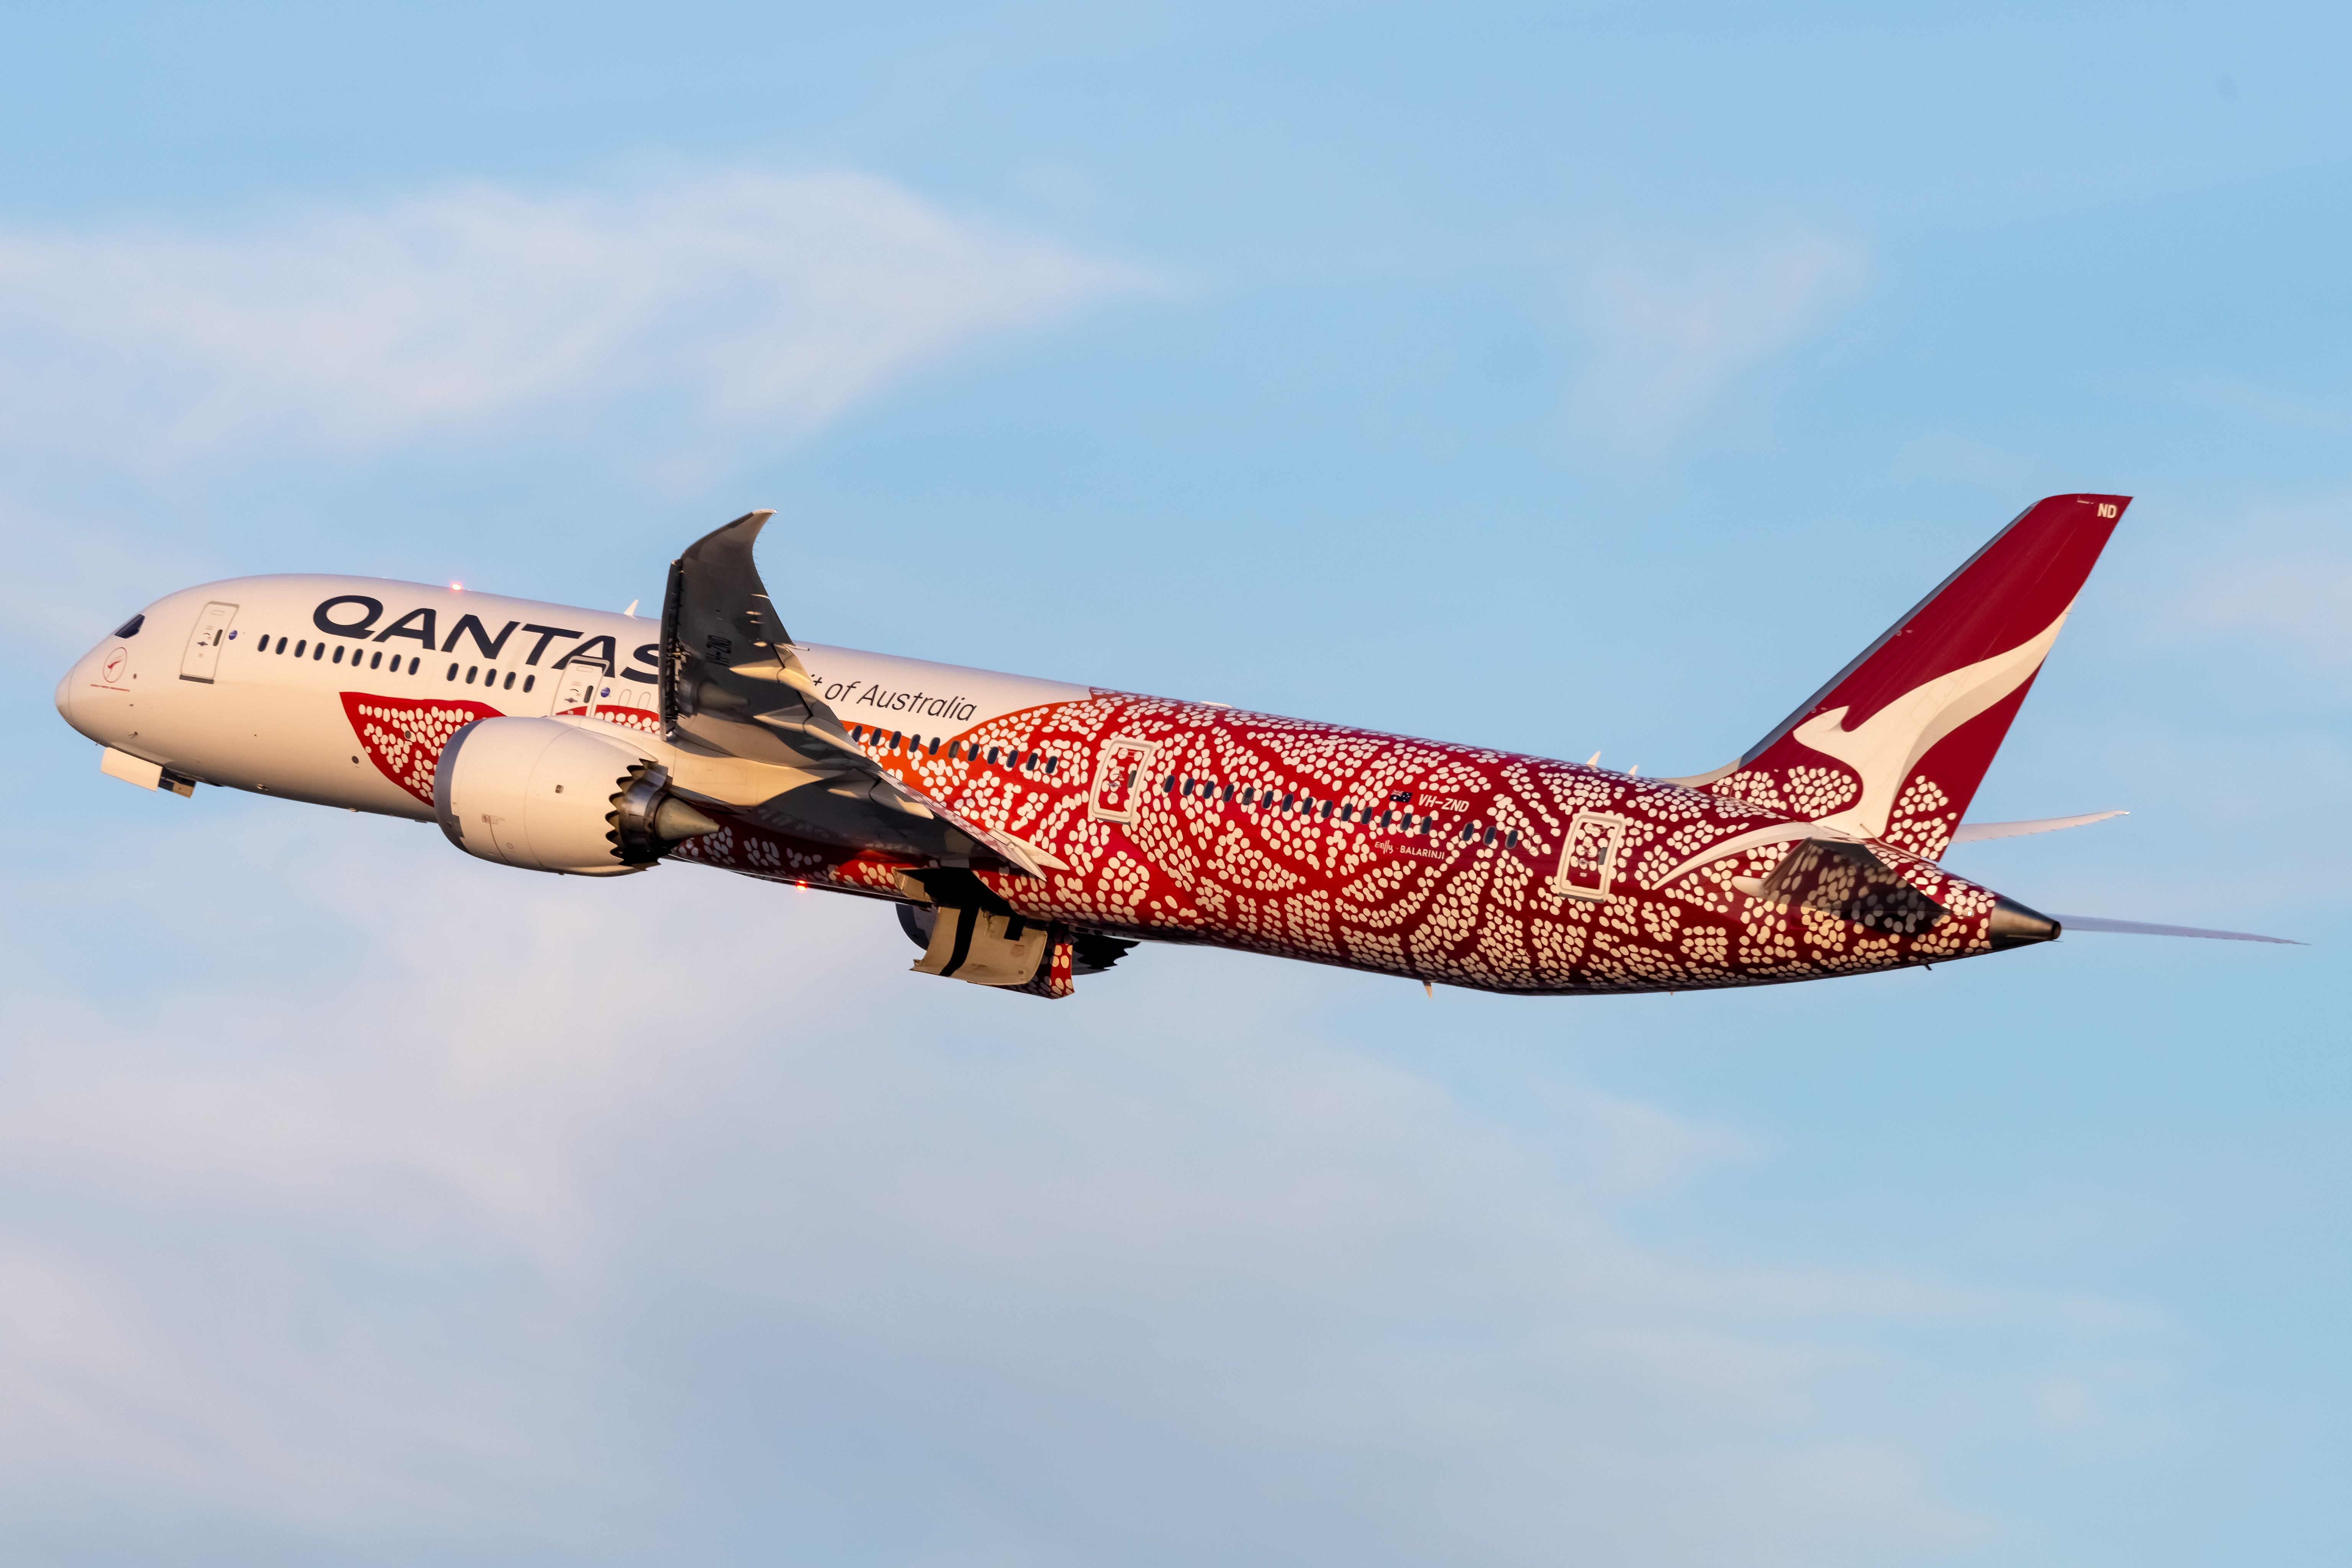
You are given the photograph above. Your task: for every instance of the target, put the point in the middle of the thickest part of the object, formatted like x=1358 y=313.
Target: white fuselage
x=193 y=692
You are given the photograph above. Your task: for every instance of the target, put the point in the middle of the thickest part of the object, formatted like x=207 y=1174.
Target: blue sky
x=1558 y=379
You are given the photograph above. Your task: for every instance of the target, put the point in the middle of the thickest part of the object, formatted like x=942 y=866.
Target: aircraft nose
x=2014 y=925
x=70 y=701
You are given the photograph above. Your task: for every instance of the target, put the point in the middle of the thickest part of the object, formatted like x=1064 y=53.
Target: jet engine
x=551 y=796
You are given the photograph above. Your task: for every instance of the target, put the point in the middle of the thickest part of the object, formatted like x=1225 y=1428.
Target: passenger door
x=204 y=643
x=1120 y=775
x=1588 y=856
x=576 y=688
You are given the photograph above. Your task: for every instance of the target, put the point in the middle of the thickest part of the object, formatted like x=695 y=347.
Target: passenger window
x=300 y=646
x=375 y=662
x=338 y=653
x=282 y=645
x=319 y=653
x=510 y=675
x=528 y=681
x=992 y=762
x=1050 y=762
x=472 y=670
x=453 y=672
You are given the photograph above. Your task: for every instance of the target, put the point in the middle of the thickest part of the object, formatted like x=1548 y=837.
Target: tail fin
x=1894 y=746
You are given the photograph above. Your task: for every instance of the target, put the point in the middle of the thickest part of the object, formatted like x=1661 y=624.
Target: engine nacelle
x=545 y=796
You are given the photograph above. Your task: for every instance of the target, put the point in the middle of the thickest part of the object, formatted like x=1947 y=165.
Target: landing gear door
x=1588 y=857
x=1121 y=777
x=203 y=657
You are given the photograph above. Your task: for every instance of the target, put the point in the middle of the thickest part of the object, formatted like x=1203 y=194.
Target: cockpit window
x=129 y=628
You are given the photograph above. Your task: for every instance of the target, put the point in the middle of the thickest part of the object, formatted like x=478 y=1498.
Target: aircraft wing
x=732 y=687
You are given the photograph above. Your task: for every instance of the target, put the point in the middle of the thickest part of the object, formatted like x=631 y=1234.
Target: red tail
x=1894 y=746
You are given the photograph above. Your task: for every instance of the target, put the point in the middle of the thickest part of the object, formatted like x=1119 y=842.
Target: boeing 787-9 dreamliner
x=1031 y=832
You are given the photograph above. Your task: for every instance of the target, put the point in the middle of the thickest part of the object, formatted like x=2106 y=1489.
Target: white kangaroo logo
x=1886 y=746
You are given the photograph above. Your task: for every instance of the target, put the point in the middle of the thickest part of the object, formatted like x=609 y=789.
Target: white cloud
x=437 y=1199
x=736 y=304
x=1670 y=336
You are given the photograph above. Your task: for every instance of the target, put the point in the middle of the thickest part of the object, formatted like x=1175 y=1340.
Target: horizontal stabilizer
x=1977 y=832
x=2072 y=923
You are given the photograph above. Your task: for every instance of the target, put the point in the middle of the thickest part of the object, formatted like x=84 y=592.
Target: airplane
x=1031 y=833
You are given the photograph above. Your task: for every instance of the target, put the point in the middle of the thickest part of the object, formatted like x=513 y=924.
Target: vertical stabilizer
x=1895 y=744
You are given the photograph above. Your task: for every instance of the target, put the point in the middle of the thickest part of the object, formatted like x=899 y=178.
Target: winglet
x=2142 y=928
